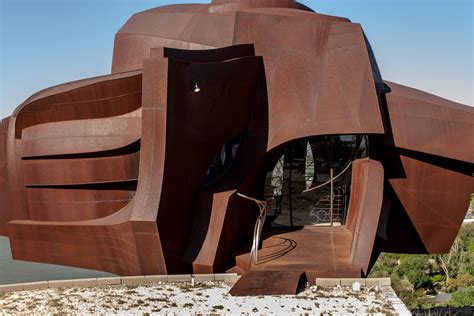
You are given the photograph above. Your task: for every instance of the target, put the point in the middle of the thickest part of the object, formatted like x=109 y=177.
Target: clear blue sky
x=427 y=44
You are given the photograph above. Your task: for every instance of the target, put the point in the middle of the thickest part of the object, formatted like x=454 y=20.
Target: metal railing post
x=331 y=203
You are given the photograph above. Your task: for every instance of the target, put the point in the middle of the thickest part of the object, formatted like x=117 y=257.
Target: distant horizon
x=424 y=44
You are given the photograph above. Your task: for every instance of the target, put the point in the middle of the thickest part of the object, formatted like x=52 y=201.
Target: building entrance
x=309 y=185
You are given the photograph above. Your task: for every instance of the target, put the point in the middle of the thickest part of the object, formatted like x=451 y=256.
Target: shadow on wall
x=16 y=271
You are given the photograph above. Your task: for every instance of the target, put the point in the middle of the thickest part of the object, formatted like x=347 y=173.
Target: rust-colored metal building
x=152 y=169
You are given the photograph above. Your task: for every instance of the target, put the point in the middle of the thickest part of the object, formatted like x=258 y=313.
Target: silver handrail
x=329 y=181
x=257 y=231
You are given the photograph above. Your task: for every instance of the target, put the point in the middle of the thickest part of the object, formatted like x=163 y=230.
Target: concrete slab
x=377 y=282
x=133 y=280
x=155 y=278
x=84 y=282
x=204 y=277
x=36 y=285
x=231 y=279
x=385 y=282
x=11 y=287
x=109 y=281
x=220 y=277
x=350 y=281
x=178 y=278
x=59 y=283
x=325 y=282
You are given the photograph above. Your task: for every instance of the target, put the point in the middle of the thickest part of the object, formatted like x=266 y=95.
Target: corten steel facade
x=107 y=173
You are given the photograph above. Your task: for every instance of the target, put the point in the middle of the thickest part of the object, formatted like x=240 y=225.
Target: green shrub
x=415 y=276
x=416 y=269
x=470 y=248
x=461 y=281
x=385 y=265
x=415 y=299
x=463 y=298
x=438 y=278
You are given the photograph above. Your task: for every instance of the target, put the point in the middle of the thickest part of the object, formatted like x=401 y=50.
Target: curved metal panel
x=81 y=136
x=331 y=90
x=436 y=201
x=60 y=172
x=364 y=210
x=426 y=123
x=6 y=211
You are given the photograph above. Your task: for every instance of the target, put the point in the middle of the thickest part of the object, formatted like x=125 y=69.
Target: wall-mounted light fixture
x=196 y=87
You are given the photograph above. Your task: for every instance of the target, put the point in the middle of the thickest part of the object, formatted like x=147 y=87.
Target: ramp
x=268 y=282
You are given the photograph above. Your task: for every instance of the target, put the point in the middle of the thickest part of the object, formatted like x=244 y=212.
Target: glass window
x=224 y=160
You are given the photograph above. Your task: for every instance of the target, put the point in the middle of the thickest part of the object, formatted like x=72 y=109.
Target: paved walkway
x=315 y=249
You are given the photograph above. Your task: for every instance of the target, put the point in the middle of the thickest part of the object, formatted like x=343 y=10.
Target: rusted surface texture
x=232 y=6
x=429 y=124
x=99 y=97
x=364 y=210
x=331 y=90
x=190 y=119
x=75 y=204
x=118 y=172
x=429 y=157
x=267 y=282
x=59 y=172
x=62 y=177
x=148 y=30
x=435 y=200
x=94 y=135
x=328 y=251
x=81 y=246
x=77 y=171
x=5 y=193
x=187 y=26
x=316 y=249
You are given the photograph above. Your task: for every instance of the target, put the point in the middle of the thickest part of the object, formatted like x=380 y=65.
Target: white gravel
x=183 y=299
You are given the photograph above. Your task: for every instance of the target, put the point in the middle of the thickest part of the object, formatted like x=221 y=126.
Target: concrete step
x=343 y=272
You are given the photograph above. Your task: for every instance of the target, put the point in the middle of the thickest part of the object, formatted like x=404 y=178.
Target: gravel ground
x=184 y=299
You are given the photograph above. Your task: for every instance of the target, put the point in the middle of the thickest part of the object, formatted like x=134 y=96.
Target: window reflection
x=224 y=160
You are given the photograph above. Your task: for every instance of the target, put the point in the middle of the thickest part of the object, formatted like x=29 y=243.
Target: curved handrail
x=330 y=180
x=257 y=232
